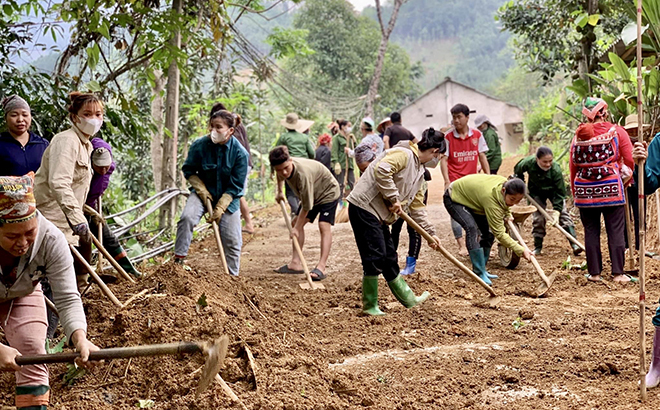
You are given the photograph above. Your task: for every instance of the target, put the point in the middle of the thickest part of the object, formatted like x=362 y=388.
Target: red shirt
x=463 y=154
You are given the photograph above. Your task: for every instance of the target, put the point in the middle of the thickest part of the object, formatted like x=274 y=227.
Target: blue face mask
x=432 y=163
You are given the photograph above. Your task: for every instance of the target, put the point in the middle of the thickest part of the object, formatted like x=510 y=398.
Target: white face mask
x=218 y=137
x=89 y=126
x=349 y=129
x=432 y=163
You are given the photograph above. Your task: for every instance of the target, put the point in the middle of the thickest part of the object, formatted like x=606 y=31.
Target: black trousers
x=475 y=225
x=414 y=238
x=615 y=226
x=375 y=244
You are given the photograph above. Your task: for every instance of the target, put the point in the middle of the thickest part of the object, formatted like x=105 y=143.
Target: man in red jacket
x=466 y=148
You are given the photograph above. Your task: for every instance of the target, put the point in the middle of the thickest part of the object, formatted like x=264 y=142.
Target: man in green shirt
x=318 y=192
x=299 y=146
x=494 y=154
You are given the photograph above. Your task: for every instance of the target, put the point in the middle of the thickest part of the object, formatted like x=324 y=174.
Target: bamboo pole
x=630 y=261
x=97 y=279
x=218 y=240
x=642 y=213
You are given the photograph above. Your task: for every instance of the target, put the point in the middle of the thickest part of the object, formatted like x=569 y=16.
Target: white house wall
x=439 y=101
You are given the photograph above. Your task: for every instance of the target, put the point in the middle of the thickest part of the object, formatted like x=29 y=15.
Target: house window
x=429 y=115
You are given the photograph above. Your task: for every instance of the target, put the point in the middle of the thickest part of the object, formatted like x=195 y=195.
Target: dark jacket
x=324 y=156
x=17 y=160
x=222 y=168
x=544 y=184
x=651 y=168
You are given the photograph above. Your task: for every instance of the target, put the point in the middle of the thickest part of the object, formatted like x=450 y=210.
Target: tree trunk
x=171 y=125
x=157 y=106
x=385 y=37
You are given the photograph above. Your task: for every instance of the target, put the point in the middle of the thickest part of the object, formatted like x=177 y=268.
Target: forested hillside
x=450 y=38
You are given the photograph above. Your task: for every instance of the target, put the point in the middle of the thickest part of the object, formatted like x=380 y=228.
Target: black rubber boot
x=576 y=249
x=538 y=245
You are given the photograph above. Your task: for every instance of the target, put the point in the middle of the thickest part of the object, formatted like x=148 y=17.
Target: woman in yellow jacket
x=480 y=203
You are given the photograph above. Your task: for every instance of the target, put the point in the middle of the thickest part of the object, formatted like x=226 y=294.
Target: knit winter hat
x=14 y=102
x=101 y=157
x=364 y=153
x=324 y=139
x=17 y=203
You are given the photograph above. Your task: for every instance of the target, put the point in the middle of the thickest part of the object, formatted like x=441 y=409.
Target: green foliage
x=556 y=36
x=346 y=47
x=57 y=348
x=538 y=118
x=459 y=39
x=288 y=43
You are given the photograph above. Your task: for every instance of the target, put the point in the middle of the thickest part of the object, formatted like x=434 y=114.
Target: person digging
x=546 y=182
x=391 y=185
x=318 y=192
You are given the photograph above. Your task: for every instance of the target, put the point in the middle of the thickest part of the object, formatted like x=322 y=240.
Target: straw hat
x=632 y=123
x=381 y=125
x=292 y=122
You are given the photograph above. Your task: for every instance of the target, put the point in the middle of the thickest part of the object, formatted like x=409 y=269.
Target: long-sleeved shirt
x=18 y=160
x=222 y=168
x=298 y=144
x=62 y=182
x=338 y=154
x=99 y=182
x=483 y=194
x=545 y=184
x=494 y=153
x=50 y=257
x=395 y=175
x=312 y=183
x=651 y=167
x=625 y=146
x=373 y=141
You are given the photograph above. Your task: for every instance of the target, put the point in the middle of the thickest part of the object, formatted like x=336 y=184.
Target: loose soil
x=576 y=348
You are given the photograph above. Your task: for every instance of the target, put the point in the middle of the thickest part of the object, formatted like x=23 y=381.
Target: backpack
x=598 y=177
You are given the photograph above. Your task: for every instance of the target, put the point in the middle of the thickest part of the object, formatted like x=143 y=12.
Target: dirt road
x=575 y=349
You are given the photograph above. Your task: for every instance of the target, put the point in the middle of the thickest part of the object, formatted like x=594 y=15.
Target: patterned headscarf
x=364 y=153
x=14 y=102
x=17 y=203
x=592 y=107
x=324 y=139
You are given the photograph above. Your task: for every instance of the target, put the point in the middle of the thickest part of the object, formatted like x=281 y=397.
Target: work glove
x=97 y=219
x=221 y=207
x=337 y=168
x=200 y=189
x=82 y=230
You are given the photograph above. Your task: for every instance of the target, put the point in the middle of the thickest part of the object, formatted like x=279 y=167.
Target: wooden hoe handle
x=539 y=270
x=446 y=254
x=296 y=245
x=216 y=232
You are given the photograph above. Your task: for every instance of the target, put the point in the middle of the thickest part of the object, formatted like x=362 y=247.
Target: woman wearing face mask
x=216 y=167
x=480 y=203
x=391 y=185
x=339 y=156
x=546 y=183
x=62 y=182
x=20 y=149
x=414 y=238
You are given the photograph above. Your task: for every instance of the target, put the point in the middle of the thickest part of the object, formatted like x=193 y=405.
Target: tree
x=386 y=31
x=562 y=36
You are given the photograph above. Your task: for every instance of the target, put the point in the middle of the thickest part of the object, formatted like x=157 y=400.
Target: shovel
x=216 y=231
x=554 y=222
x=215 y=356
x=545 y=286
x=494 y=298
x=310 y=284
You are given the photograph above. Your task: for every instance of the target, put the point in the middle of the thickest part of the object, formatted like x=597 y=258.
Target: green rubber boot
x=538 y=245
x=404 y=294
x=479 y=265
x=576 y=249
x=486 y=255
x=127 y=265
x=370 y=296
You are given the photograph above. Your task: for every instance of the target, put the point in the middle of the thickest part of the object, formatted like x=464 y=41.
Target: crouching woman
x=390 y=185
x=480 y=203
x=32 y=248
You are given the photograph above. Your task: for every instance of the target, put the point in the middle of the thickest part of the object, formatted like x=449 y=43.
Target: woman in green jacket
x=494 y=153
x=480 y=203
x=546 y=182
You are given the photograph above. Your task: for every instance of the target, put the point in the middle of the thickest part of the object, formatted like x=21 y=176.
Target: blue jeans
x=230 y=232
x=456 y=229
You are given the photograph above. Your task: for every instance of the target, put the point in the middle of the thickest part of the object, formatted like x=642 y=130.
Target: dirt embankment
x=574 y=349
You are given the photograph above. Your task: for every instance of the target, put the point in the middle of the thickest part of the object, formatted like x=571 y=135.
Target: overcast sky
x=360 y=4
